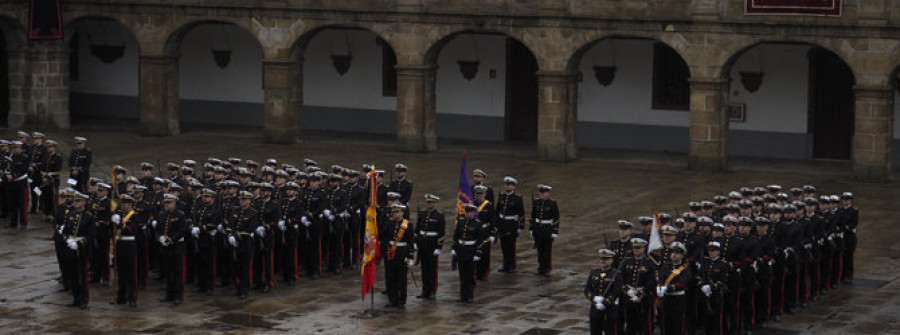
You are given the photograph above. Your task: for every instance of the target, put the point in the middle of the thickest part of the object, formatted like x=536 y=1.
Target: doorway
x=831 y=104
x=521 y=93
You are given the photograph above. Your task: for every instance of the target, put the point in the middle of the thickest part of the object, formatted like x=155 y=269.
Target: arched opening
x=633 y=94
x=349 y=81
x=219 y=75
x=12 y=40
x=486 y=88
x=790 y=100
x=103 y=73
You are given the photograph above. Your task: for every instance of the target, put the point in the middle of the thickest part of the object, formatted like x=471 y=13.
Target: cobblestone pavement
x=592 y=192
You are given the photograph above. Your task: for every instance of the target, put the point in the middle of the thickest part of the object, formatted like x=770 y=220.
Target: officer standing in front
x=544 y=228
x=467 y=237
x=430 y=228
x=78 y=231
x=172 y=226
x=80 y=163
x=399 y=257
x=603 y=289
x=126 y=251
x=510 y=220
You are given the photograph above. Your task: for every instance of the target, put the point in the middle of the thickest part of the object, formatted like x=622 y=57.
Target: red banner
x=794 y=7
x=44 y=20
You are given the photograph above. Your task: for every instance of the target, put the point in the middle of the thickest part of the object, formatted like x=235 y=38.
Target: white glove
x=600 y=306
x=281 y=225
x=162 y=240
x=116 y=219
x=635 y=299
x=410 y=262
x=706 y=289
x=261 y=231
x=61 y=228
x=698 y=266
x=437 y=252
x=415 y=246
x=344 y=214
x=232 y=241
x=153 y=223
x=661 y=291
x=754 y=266
x=305 y=221
x=771 y=262
x=518 y=231
x=598 y=300
x=453 y=252
x=330 y=217
x=476 y=258
x=221 y=228
x=786 y=253
x=195 y=231
x=631 y=293
x=327 y=213
x=72 y=244
x=553 y=236
x=491 y=239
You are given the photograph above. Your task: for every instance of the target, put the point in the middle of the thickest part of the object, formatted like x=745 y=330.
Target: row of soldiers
x=240 y=225
x=727 y=266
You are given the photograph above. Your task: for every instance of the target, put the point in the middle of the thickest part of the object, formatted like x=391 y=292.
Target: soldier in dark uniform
x=269 y=214
x=147 y=174
x=646 y=226
x=5 y=158
x=790 y=240
x=487 y=217
x=80 y=163
x=243 y=223
x=766 y=260
x=639 y=279
x=510 y=222
x=674 y=278
x=78 y=231
x=206 y=219
x=544 y=228
x=172 y=227
x=850 y=219
x=733 y=253
x=622 y=246
x=313 y=202
x=57 y=221
x=126 y=251
x=101 y=211
x=603 y=289
x=335 y=217
x=467 y=236
x=430 y=228
x=749 y=273
x=37 y=157
x=478 y=179
x=401 y=184
x=17 y=186
x=399 y=256
x=382 y=189
x=815 y=238
x=668 y=235
x=357 y=204
x=143 y=212
x=712 y=278
x=49 y=188
x=290 y=228
x=829 y=248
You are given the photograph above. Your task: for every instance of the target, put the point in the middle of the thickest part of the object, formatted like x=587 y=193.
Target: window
x=388 y=70
x=671 y=89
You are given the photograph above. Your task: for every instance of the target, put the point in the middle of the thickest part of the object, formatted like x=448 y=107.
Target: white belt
x=180 y=240
x=510 y=217
x=467 y=242
x=127 y=238
x=428 y=233
x=545 y=221
x=397 y=244
x=22 y=177
x=676 y=293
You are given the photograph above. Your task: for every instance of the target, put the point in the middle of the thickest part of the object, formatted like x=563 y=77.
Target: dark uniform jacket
x=606 y=284
x=545 y=218
x=467 y=237
x=510 y=213
x=430 y=228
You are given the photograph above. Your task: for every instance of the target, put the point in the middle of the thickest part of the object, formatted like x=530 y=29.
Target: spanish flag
x=370 y=251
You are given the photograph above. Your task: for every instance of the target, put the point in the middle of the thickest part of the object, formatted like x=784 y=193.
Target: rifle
x=412 y=273
x=606 y=240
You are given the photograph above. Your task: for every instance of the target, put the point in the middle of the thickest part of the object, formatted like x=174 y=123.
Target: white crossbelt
x=464 y=242
x=180 y=240
x=127 y=238
x=510 y=217
x=397 y=244
x=545 y=221
x=675 y=293
x=428 y=233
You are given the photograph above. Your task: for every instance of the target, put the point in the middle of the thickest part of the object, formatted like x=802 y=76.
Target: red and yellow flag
x=370 y=249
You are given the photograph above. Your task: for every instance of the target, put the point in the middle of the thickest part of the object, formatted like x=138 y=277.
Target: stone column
x=159 y=95
x=283 y=101
x=873 y=133
x=42 y=95
x=709 y=126
x=557 y=117
x=416 y=111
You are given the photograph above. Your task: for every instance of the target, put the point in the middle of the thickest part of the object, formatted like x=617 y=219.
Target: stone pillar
x=39 y=90
x=873 y=133
x=709 y=126
x=557 y=117
x=159 y=95
x=283 y=101
x=416 y=109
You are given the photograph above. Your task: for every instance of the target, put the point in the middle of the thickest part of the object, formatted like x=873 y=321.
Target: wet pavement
x=592 y=192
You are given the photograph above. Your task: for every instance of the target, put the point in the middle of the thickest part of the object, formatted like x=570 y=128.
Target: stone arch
x=176 y=37
x=433 y=47
x=302 y=39
x=729 y=56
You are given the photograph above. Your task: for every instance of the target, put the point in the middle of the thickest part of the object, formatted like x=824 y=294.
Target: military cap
x=315 y=176
x=746 y=191
x=707 y=204
x=313 y=169
x=479 y=173
x=757 y=200
x=810 y=201
x=271 y=161
x=252 y=163
x=732 y=208
x=104 y=186
x=688 y=216
x=310 y=162
x=169 y=198
x=266 y=186
x=471 y=207
x=606 y=253
x=37 y=134
x=219 y=169
x=335 y=177
x=234 y=160
x=401 y=207
x=267 y=170
x=694 y=206
x=704 y=220
x=4 y=143
x=126 y=198
x=668 y=230
x=645 y=220
x=400 y=167
x=245 y=195
x=638 y=242
x=835 y=198
x=366 y=168
x=380 y=173
x=761 y=220
x=809 y=188
x=745 y=221
x=120 y=169
x=213 y=160
x=68 y=192
x=769 y=198
x=51 y=143
x=665 y=217
x=799 y=204
x=625 y=224
x=302 y=175
x=281 y=173
x=16 y=144
x=354 y=173
x=720 y=199
x=79 y=139
x=775 y=207
x=759 y=191
x=189 y=162
x=678 y=247
x=94 y=180
x=679 y=222
x=291 y=170
x=336 y=168
x=734 y=195
x=790 y=208
x=146 y=166
x=796 y=191
x=781 y=196
x=774 y=188
x=81 y=196
x=21 y=133
x=187 y=170
x=195 y=183
x=173 y=186
x=173 y=166
x=480 y=189
x=730 y=220
x=713 y=245
x=745 y=203
x=544 y=188
x=393 y=195
x=227 y=165
x=431 y=198
x=159 y=180
x=140 y=188
x=847 y=195
x=209 y=192
x=510 y=180
x=718 y=227
x=292 y=185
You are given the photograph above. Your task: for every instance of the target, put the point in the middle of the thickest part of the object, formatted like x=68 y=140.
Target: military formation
x=237 y=226
x=727 y=266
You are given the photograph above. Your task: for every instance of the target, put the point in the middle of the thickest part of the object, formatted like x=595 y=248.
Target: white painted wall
x=780 y=104
x=201 y=78
x=96 y=77
x=360 y=87
x=481 y=96
x=628 y=98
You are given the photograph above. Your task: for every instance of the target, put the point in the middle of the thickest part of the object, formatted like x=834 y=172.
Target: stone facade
x=709 y=35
